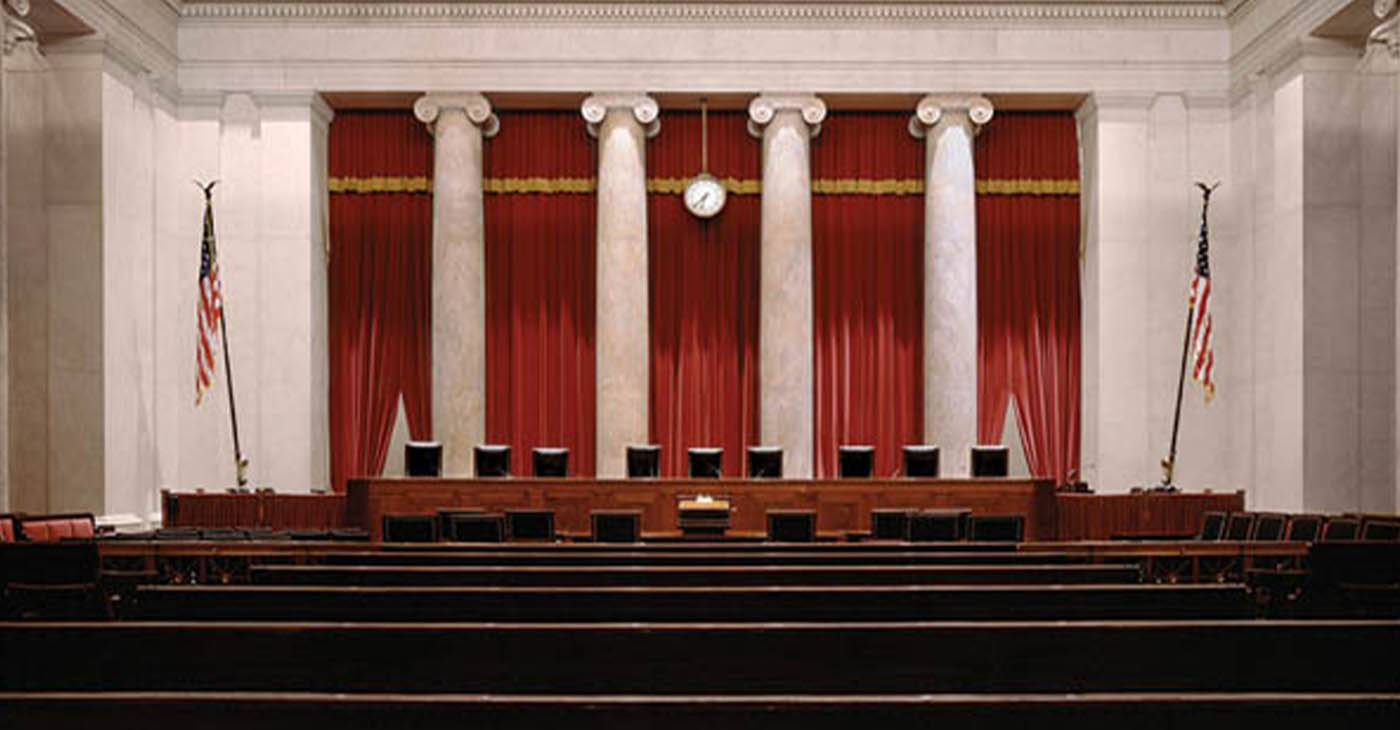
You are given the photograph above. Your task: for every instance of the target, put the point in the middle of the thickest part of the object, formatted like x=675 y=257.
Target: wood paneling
x=279 y=511
x=1109 y=516
x=840 y=505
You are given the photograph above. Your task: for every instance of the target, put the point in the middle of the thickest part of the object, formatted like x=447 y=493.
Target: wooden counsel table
x=841 y=504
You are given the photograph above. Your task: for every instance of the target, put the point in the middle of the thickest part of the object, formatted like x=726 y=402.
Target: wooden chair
x=1303 y=528
x=1212 y=526
x=1268 y=527
x=1380 y=529
x=1239 y=526
x=1341 y=529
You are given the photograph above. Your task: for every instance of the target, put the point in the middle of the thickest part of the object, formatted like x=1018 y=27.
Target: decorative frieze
x=842 y=13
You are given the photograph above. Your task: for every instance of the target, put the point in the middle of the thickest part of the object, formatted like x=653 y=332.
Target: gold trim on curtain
x=676 y=186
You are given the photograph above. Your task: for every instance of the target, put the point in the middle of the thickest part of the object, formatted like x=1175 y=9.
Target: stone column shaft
x=622 y=123
x=786 y=124
x=947 y=124
x=458 y=123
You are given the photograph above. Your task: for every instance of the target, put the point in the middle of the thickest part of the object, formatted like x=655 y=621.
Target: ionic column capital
x=14 y=30
x=973 y=110
x=1384 y=37
x=477 y=109
x=643 y=108
x=765 y=107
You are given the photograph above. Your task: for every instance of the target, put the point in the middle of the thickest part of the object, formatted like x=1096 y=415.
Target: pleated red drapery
x=540 y=282
x=380 y=286
x=1028 y=286
x=704 y=294
x=867 y=288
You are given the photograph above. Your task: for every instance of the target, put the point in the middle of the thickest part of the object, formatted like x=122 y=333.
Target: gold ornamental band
x=676 y=186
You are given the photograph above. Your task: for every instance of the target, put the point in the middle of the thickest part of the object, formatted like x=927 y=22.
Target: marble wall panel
x=127 y=334
x=27 y=277
x=1119 y=248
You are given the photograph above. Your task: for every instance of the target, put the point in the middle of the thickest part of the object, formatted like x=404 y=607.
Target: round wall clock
x=705 y=195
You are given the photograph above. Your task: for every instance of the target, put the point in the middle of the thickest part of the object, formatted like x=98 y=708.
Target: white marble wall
x=1142 y=154
x=1316 y=153
x=101 y=284
x=267 y=151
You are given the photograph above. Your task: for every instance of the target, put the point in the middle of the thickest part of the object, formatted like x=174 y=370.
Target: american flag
x=211 y=302
x=1202 y=353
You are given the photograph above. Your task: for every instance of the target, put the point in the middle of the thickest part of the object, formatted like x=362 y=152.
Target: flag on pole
x=211 y=302
x=1202 y=352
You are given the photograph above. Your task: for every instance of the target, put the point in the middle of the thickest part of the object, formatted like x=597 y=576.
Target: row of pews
x=686 y=635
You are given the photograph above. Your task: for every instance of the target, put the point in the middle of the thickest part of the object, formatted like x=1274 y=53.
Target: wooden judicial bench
x=841 y=505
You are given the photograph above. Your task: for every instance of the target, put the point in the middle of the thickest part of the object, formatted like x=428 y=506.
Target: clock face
x=704 y=196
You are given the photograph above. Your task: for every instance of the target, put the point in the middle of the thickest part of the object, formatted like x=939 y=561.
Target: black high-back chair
x=765 y=462
x=550 y=461
x=855 y=461
x=920 y=460
x=643 y=461
x=422 y=459
x=492 y=460
x=705 y=462
x=990 y=461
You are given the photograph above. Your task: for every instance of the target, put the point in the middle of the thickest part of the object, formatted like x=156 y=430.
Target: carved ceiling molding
x=707 y=12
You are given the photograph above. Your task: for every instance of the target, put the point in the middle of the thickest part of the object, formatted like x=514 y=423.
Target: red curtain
x=380 y=286
x=1028 y=286
x=704 y=295
x=540 y=281
x=867 y=271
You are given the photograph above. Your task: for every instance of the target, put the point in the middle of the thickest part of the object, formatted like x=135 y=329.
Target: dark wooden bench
x=551 y=556
x=703 y=603
x=298 y=711
x=692 y=575
x=725 y=546
x=756 y=658
x=555 y=556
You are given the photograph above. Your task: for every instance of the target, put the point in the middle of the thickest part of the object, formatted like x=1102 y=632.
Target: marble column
x=786 y=124
x=13 y=31
x=947 y=123
x=458 y=122
x=622 y=122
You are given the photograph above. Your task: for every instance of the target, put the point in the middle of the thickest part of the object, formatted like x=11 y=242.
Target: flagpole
x=240 y=463
x=1169 y=463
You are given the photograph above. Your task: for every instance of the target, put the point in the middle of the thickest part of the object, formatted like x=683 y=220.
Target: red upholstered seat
x=36 y=530
x=59 y=529
x=82 y=527
x=7 y=530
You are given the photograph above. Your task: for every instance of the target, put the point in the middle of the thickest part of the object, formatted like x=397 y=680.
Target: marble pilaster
x=13 y=30
x=786 y=124
x=621 y=122
x=458 y=123
x=947 y=123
